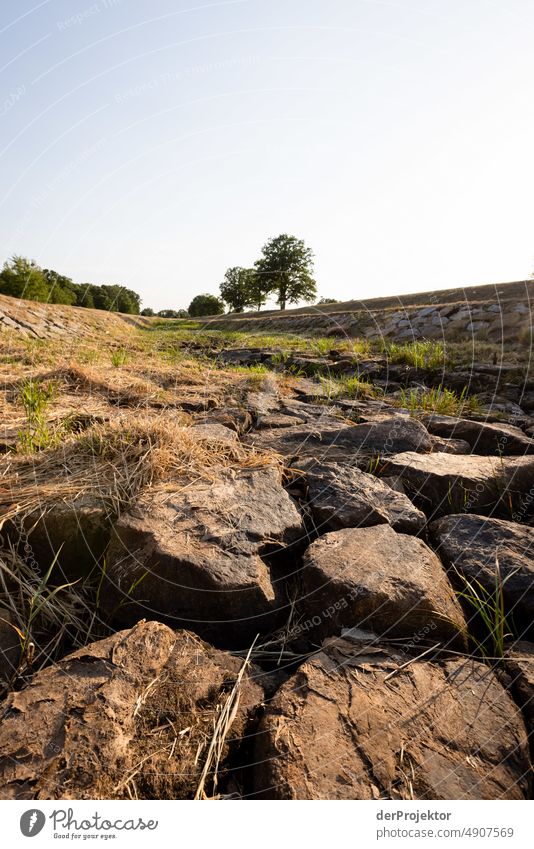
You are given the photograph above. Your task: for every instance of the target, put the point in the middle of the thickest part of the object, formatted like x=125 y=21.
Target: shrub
x=206 y=305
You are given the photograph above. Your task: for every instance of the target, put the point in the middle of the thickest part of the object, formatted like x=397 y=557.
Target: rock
x=375 y=578
x=233 y=418
x=339 y=730
x=311 y=413
x=265 y=400
x=310 y=390
x=472 y=545
x=386 y=435
x=242 y=356
x=191 y=401
x=274 y=420
x=442 y=483
x=74 y=533
x=499 y=408
x=213 y=432
x=342 y=496
x=311 y=365
x=394 y=483
x=450 y=446
x=520 y=667
x=131 y=714
x=197 y=553
x=483 y=437
x=10 y=646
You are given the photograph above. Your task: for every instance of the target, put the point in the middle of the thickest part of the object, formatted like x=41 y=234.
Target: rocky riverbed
x=245 y=572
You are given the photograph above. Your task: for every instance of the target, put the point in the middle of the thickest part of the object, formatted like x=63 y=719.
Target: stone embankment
x=497 y=313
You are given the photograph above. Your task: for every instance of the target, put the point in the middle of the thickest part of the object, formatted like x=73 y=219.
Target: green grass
x=187 y=332
x=489 y=607
x=423 y=353
x=255 y=373
x=37 y=435
x=440 y=400
x=322 y=346
x=118 y=357
x=44 y=616
x=348 y=387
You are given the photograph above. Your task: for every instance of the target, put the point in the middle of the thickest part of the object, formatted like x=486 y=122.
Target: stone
x=213 y=432
x=483 y=437
x=342 y=496
x=380 y=580
x=519 y=661
x=441 y=483
x=450 y=446
x=132 y=714
x=233 y=418
x=275 y=420
x=383 y=435
x=242 y=356
x=352 y=724
x=72 y=533
x=473 y=545
x=195 y=555
x=474 y=326
x=10 y=647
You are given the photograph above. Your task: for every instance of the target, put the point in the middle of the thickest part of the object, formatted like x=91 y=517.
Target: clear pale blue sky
x=154 y=143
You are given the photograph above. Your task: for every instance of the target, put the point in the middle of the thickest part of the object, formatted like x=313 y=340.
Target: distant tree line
x=23 y=278
x=148 y=311
x=284 y=271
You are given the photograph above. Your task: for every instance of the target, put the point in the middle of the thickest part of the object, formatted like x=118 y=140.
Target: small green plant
x=322 y=346
x=360 y=347
x=489 y=606
x=422 y=353
x=348 y=387
x=118 y=357
x=438 y=400
x=281 y=359
x=255 y=373
x=35 y=398
x=356 y=387
x=375 y=465
x=42 y=615
x=41 y=597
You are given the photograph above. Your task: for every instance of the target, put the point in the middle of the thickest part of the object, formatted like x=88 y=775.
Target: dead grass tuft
x=115 y=461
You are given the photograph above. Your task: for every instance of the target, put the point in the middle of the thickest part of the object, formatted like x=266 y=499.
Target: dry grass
x=221 y=728
x=45 y=618
x=115 y=461
x=115 y=426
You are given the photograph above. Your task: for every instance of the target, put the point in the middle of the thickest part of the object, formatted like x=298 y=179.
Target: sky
x=155 y=143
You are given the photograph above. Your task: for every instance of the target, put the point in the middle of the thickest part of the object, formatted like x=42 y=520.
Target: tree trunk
x=282 y=292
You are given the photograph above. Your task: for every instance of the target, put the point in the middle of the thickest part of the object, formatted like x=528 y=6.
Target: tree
x=23 y=278
x=260 y=289
x=206 y=305
x=286 y=268
x=327 y=301
x=122 y=299
x=84 y=295
x=173 y=314
x=238 y=288
x=148 y=311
